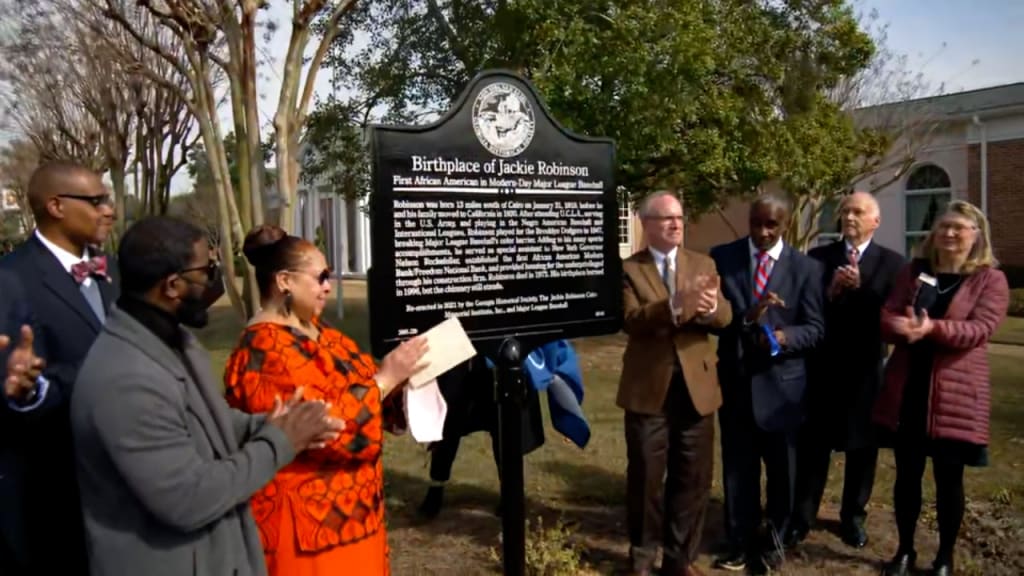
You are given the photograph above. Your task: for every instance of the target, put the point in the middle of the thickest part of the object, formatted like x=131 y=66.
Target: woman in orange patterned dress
x=324 y=513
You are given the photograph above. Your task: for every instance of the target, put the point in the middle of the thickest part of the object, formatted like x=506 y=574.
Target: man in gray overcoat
x=165 y=467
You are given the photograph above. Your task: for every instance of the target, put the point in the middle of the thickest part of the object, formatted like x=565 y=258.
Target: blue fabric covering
x=555 y=368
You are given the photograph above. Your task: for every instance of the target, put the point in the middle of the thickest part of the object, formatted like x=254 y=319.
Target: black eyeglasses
x=96 y=201
x=322 y=277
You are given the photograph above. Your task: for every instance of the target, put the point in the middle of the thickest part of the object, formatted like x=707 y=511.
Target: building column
x=361 y=244
x=341 y=234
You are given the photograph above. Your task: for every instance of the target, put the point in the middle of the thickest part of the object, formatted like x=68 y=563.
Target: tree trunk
x=252 y=120
x=117 y=178
x=287 y=169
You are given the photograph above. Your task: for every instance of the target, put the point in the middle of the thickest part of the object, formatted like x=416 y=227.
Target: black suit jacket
x=775 y=386
x=65 y=328
x=14 y=313
x=846 y=372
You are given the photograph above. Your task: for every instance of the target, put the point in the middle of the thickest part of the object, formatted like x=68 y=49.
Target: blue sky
x=943 y=37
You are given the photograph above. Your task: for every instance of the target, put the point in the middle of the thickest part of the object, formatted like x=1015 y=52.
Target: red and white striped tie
x=761 y=276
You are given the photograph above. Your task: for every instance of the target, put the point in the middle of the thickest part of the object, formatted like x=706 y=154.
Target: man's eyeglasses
x=210 y=269
x=96 y=201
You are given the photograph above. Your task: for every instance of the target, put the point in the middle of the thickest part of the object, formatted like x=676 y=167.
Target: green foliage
x=1017 y=303
x=339 y=159
x=699 y=96
x=549 y=552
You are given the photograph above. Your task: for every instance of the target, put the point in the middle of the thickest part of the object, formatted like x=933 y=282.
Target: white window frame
x=625 y=224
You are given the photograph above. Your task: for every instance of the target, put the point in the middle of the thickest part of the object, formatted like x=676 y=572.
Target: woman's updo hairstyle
x=271 y=250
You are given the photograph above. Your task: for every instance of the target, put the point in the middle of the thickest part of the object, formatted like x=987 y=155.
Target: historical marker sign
x=497 y=215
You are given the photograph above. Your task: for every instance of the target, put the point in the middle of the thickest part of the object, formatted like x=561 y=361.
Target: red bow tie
x=95 y=266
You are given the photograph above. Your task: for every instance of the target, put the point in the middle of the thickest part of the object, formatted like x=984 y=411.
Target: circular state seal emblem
x=503 y=119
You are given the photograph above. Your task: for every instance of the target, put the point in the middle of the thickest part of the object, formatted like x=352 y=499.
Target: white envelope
x=449 y=346
x=425 y=412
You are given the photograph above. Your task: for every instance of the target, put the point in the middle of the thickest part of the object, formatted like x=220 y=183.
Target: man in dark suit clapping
x=847 y=371
x=775 y=292
x=69 y=286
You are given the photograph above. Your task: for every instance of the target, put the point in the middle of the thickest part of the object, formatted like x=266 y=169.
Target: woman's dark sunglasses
x=321 y=277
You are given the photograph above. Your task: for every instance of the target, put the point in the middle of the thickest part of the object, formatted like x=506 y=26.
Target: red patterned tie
x=95 y=266
x=761 y=276
x=852 y=256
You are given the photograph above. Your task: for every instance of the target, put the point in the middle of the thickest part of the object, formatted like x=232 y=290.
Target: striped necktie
x=668 y=277
x=762 y=274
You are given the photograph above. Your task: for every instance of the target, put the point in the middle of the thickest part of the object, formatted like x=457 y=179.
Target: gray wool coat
x=166 y=468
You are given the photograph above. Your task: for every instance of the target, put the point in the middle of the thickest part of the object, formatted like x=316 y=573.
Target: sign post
x=498 y=215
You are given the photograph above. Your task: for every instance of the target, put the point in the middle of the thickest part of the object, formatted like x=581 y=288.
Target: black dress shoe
x=432 y=502
x=901 y=565
x=941 y=569
x=855 y=536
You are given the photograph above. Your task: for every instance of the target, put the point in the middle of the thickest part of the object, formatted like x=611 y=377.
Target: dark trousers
x=443 y=452
x=814 y=458
x=948 y=470
x=744 y=447
x=669 y=473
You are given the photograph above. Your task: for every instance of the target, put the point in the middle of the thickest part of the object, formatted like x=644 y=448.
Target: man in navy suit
x=69 y=287
x=23 y=392
x=775 y=293
x=859 y=273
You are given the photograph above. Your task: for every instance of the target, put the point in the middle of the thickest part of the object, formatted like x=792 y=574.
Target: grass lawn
x=1010 y=332
x=586 y=488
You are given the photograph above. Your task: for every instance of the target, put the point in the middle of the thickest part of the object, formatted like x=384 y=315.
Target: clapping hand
x=23 y=367
x=307 y=424
x=914 y=326
x=768 y=300
x=844 y=278
x=707 y=299
x=701 y=295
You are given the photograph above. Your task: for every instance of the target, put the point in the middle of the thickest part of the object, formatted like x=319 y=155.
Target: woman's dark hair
x=270 y=250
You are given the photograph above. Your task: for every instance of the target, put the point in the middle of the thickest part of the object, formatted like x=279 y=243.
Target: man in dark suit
x=775 y=292
x=23 y=391
x=69 y=286
x=846 y=373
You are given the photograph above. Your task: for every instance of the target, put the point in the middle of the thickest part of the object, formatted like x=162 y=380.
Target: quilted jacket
x=960 y=397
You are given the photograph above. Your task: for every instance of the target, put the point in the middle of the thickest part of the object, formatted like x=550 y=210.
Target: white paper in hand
x=449 y=346
x=425 y=411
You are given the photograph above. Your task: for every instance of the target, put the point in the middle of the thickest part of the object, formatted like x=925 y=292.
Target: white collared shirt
x=860 y=248
x=774 y=253
x=67 y=259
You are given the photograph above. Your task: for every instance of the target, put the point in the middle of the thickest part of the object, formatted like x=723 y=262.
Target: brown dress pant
x=669 y=471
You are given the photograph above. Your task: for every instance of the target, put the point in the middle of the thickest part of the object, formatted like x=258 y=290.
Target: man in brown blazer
x=669 y=389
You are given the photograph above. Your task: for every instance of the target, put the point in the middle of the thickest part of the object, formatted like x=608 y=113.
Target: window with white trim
x=927 y=192
x=625 y=219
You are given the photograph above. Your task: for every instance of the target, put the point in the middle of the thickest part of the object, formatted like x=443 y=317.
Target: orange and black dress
x=324 y=512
